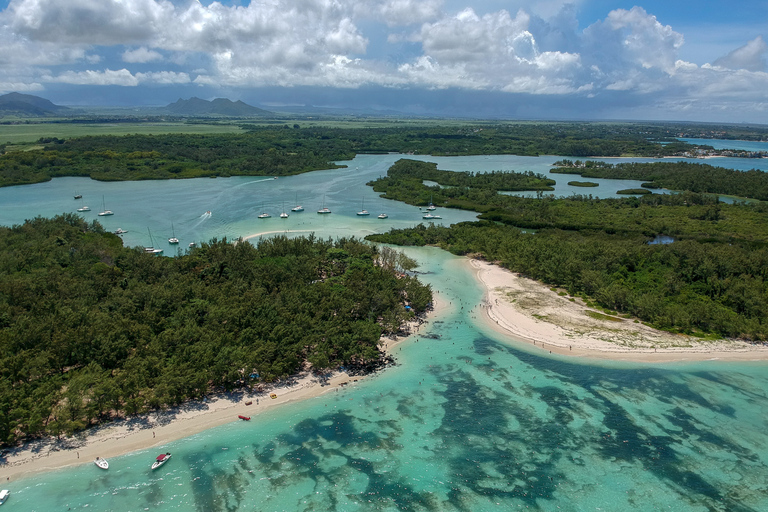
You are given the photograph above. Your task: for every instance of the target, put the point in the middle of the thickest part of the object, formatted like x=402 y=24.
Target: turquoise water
x=465 y=422
x=746 y=145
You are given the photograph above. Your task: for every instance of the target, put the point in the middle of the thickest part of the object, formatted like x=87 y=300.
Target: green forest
x=91 y=330
x=280 y=151
x=711 y=281
x=675 y=176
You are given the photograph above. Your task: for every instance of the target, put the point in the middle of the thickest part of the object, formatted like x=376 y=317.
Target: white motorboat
x=4 y=495
x=429 y=216
x=84 y=209
x=102 y=463
x=120 y=231
x=160 y=460
x=383 y=215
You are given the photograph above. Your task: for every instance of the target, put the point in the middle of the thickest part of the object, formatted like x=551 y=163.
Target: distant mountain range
x=219 y=106
x=27 y=105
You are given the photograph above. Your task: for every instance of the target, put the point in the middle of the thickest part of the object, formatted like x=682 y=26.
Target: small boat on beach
x=272 y=396
x=160 y=460
x=244 y=418
x=101 y=463
x=4 y=495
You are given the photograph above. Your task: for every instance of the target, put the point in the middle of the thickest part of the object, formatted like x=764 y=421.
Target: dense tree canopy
x=277 y=151
x=711 y=280
x=89 y=329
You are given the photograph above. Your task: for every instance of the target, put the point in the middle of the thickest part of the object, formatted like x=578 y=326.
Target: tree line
x=278 y=151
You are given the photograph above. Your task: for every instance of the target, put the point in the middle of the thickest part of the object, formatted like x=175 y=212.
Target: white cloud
x=751 y=56
x=121 y=77
x=408 y=12
x=141 y=55
x=90 y=77
x=6 y=87
x=538 y=49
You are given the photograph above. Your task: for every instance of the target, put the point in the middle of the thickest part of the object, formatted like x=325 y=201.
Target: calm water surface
x=465 y=422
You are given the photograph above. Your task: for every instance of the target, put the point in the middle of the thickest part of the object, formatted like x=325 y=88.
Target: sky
x=701 y=60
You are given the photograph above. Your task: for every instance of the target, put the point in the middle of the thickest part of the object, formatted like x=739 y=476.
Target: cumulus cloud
x=141 y=55
x=751 y=56
x=121 y=77
x=408 y=12
x=538 y=49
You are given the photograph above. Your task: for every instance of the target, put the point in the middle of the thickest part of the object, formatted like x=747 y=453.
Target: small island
x=583 y=184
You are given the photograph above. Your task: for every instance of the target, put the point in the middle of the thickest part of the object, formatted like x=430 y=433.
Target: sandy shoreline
x=161 y=427
x=527 y=311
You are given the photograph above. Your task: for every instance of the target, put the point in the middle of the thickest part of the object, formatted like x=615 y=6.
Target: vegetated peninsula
x=709 y=281
x=91 y=330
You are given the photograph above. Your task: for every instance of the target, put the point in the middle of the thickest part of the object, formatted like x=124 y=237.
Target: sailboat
x=363 y=212
x=283 y=215
x=324 y=209
x=78 y=196
x=173 y=239
x=104 y=212
x=298 y=207
x=263 y=214
x=151 y=249
x=83 y=208
x=431 y=206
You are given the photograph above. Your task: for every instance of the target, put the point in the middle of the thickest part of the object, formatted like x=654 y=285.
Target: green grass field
x=22 y=134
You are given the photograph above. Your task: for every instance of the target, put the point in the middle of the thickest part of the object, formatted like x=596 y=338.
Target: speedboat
x=191 y=244
x=120 y=231
x=383 y=215
x=84 y=209
x=102 y=463
x=4 y=495
x=429 y=216
x=160 y=460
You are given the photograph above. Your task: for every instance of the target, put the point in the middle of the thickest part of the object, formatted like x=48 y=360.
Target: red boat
x=244 y=418
x=160 y=460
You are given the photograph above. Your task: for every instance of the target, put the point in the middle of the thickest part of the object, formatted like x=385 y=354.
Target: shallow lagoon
x=464 y=422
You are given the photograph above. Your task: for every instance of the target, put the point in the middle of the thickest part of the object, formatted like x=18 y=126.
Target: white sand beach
x=158 y=428
x=530 y=312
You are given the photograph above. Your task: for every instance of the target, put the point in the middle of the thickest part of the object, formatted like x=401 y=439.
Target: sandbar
x=527 y=311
